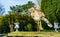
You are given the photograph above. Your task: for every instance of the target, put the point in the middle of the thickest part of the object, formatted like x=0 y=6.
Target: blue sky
x=7 y=3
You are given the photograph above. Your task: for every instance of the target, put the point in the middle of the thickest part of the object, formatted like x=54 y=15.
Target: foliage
x=26 y=23
x=51 y=9
x=48 y=9
x=4 y=28
x=19 y=11
x=22 y=9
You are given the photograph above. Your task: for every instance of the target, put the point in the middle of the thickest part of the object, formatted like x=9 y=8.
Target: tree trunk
x=11 y=26
x=38 y=26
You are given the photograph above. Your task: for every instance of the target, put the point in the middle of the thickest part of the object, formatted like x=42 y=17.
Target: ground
x=34 y=34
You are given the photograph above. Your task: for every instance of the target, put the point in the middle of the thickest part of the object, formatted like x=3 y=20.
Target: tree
x=2 y=10
x=4 y=28
x=26 y=23
x=18 y=9
x=51 y=9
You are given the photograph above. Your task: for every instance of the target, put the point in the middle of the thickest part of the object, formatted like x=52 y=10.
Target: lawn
x=34 y=34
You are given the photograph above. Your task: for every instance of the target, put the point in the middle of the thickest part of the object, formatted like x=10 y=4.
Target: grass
x=50 y=31
x=34 y=34
x=42 y=33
